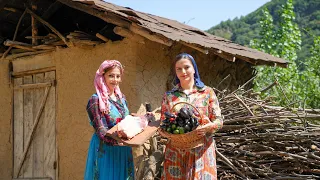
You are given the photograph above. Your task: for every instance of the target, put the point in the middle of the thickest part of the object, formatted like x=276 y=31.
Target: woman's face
x=112 y=78
x=184 y=70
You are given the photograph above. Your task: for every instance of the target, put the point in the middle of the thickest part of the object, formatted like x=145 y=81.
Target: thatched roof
x=155 y=28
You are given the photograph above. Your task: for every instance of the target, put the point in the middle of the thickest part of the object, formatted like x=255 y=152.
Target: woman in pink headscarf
x=107 y=159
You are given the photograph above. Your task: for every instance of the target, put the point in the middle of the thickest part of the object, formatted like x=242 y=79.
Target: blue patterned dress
x=106 y=160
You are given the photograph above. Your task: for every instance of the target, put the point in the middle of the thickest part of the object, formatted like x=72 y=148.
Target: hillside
x=242 y=30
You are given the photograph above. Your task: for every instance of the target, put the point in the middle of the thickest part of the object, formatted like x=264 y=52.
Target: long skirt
x=105 y=162
x=193 y=164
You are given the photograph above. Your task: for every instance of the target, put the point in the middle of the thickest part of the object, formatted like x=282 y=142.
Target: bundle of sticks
x=81 y=38
x=260 y=141
x=47 y=42
x=257 y=141
x=43 y=44
x=50 y=42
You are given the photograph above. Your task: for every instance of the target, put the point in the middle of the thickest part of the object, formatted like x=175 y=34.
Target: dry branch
x=275 y=143
x=15 y=34
x=100 y=36
x=50 y=27
x=260 y=141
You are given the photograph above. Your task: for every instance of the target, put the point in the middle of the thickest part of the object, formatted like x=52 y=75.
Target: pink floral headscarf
x=101 y=86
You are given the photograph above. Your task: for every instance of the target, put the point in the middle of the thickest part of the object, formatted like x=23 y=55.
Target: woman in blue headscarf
x=199 y=162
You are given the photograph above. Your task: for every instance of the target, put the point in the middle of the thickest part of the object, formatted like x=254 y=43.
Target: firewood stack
x=80 y=38
x=259 y=141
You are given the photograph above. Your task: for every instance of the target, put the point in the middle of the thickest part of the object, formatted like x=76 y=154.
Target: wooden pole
x=19 y=45
x=103 y=38
x=12 y=9
x=13 y=43
x=269 y=87
x=123 y=32
x=34 y=31
x=50 y=27
x=228 y=163
x=244 y=104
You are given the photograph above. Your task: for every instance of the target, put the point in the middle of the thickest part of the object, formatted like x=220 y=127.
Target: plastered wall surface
x=5 y=122
x=144 y=80
x=147 y=70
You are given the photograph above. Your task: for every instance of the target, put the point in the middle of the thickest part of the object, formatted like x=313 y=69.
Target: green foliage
x=273 y=28
x=289 y=36
x=266 y=33
x=246 y=28
x=310 y=77
x=284 y=41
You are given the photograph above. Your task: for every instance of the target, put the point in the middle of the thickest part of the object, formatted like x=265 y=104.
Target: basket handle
x=187 y=104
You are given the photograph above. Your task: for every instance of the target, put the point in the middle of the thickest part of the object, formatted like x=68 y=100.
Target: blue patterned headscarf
x=197 y=79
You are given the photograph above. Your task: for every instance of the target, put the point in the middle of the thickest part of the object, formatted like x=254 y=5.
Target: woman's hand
x=205 y=129
x=202 y=130
x=121 y=134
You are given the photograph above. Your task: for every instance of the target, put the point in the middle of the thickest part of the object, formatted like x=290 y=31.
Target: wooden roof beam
x=50 y=27
x=150 y=35
x=204 y=51
x=123 y=32
x=139 y=33
x=19 y=45
x=12 y=9
x=46 y=15
x=251 y=61
x=34 y=25
x=103 y=38
x=225 y=55
x=128 y=34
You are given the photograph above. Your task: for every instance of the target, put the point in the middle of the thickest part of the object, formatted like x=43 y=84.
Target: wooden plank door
x=34 y=129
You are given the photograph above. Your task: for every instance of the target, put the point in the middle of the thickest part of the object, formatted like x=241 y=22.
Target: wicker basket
x=188 y=140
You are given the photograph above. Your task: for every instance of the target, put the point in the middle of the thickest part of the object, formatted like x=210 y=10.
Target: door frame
x=48 y=86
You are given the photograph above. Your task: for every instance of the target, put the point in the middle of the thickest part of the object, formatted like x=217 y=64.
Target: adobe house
x=50 y=51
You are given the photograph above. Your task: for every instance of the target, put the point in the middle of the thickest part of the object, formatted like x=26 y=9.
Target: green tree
x=289 y=35
x=310 y=77
x=246 y=28
x=283 y=41
x=297 y=85
x=266 y=42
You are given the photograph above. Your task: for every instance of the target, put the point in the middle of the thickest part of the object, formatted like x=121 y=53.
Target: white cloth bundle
x=130 y=126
